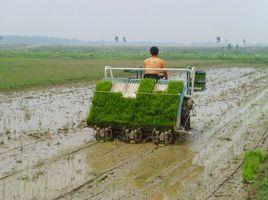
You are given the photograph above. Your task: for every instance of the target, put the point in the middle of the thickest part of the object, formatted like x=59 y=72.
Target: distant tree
x=124 y=39
x=244 y=43
x=218 y=39
x=116 y=39
x=229 y=46
x=1 y=37
x=237 y=46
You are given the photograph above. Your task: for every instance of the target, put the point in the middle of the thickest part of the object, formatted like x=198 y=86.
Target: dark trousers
x=152 y=76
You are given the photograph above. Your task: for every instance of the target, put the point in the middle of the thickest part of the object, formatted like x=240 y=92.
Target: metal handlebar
x=190 y=70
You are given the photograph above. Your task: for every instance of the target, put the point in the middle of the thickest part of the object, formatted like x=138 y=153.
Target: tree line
x=124 y=39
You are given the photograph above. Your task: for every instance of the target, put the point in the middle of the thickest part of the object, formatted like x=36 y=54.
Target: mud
x=47 y=152
x=45 y=110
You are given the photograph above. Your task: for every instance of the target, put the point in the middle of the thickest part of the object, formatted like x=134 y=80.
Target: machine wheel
x=125 y=133
x=185 y=116
x=155 y=136
x=132 y=136
x=163 y=137
x=103 y=134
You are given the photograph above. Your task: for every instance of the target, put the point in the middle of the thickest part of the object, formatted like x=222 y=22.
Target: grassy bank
x=42 y=66
x=261 y=185
x=255 y=171
x=252 y=160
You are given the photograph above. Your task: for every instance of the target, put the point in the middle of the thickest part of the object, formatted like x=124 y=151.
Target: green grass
x=259 y=54
x=48 y=65
x=261 y=185
x=19 y=73
x=149 y=109
x=252 y=160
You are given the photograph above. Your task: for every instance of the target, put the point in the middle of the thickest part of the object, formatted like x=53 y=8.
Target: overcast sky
x=182 y=21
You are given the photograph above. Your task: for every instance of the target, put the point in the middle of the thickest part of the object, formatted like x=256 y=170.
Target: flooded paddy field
x=47 y=152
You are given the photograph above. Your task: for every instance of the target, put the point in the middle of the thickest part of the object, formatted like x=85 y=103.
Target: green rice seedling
x=148 y=109
x=158 y=110
x=252 y=159
x=175 y=87
x=146 y=86
x=109 y=108
x=200 y=75
x=103 y=86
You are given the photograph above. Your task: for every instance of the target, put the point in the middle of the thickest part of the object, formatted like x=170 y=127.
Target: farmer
x=154 y=62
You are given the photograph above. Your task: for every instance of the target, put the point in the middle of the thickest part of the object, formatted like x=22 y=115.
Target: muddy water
x=231 y=116
x=46 y=180
x=44 y=110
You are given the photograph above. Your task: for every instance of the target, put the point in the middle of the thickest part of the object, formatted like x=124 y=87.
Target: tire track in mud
x=87 y=188
x=104 y=173
x=53 y=159
x=229 y=118
x=262 y=95
x=77 y=151
x=18 y=147
x=38 y=137
x=233 y=113
x=123 y=168
x=220 y=94
x=43 y=109
x=224 y=182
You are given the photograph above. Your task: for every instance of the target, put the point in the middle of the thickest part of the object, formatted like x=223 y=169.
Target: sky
x=180 y=21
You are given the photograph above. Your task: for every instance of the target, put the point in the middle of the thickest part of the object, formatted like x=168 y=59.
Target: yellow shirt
x=154 y=62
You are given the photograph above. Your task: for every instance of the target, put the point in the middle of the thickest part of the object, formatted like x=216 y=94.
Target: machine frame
x=185 y=104
x=187 y=92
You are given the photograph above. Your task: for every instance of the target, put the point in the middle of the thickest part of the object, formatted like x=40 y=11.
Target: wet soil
x=47 y=152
